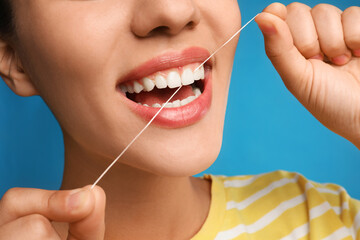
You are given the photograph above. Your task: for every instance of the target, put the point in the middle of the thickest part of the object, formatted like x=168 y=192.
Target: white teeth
x=184 y=101
x=173 y=79
x=160 y=82
x=138 y=87
x=176 y=103
x=168 y=105
x=199 y=74
x=148 y=84
x=187 y=100
x=187 y=77
x=130 y=89
x=192 y=98
x=123 y=88
x=197 y=92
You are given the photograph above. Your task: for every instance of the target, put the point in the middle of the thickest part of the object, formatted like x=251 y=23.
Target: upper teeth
x=173 y=79
x=160 y=82
x=187 y=77
x=148 y=84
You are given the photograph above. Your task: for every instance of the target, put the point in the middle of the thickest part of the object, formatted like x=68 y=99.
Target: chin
x=178 y=161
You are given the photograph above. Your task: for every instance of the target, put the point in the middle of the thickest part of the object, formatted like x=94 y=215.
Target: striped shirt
x=279 y=205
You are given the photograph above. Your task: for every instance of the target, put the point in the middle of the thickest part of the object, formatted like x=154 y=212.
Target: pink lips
x=173 y=117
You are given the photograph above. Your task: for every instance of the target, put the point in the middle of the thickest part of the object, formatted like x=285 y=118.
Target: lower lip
x=180 y=116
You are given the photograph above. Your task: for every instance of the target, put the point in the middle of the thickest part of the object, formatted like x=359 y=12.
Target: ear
x=12 y=72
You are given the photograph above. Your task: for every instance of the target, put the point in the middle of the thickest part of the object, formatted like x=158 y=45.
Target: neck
x=145 y=205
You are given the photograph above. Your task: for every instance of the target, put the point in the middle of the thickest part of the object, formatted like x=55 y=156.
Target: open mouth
x=148 y=87
x=153 y=91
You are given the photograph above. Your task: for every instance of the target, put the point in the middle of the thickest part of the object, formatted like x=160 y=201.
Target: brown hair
x=6 y=19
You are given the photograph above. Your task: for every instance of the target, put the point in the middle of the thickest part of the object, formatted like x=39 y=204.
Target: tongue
x=161 y=95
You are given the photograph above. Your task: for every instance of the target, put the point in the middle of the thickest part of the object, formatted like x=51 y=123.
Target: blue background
x=266 y=128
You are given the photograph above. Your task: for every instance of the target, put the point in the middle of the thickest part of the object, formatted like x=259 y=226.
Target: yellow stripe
x=278 y=229
x=324 y=225
x=240 y=194
x=269 y=202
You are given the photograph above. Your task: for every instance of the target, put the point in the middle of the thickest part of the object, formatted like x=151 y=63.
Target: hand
x=27 y=214
x=317 y=54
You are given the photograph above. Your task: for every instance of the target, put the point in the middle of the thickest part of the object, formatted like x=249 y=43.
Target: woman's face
x=82 y=56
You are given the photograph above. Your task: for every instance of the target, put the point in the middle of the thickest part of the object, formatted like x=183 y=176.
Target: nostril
x=167 y=30
x=159 y=30
x=191 y=25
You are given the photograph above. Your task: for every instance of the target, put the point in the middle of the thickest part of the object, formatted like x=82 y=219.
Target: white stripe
x=308 y=186
x=241 y=182
x=298 y=232
x=327 y=190
x=356 y=222
x=355 y=226
x=338 y=234
x=319 y=210
x=344 y=206
x=263 y=221
x=259 y=194
x=337 y=210
x=303 y=230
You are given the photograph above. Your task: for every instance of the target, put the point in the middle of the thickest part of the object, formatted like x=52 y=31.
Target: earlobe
x=11 y=71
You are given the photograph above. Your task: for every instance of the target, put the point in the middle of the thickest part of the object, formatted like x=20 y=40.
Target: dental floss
x=226 y=43
x=162 y=107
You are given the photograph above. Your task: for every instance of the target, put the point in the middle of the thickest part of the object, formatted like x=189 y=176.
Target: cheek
x=70 y=55
x=68 y=43
x=223 y=16
x=224 y=19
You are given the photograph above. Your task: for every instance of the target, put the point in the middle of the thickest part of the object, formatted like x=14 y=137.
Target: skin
x=151 y=188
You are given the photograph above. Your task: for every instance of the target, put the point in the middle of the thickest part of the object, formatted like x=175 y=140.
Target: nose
x=164 y=17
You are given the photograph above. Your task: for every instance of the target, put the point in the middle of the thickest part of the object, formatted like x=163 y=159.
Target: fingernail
x=357 y=53
x=340 y=60
x=268 y=29
x=76 y=199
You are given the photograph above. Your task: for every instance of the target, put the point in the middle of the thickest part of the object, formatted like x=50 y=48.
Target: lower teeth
x=178 y=103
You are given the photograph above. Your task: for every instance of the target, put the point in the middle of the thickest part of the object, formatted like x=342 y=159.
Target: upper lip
x=166 y=61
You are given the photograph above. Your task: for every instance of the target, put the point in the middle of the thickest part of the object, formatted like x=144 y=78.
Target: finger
x=327 y=19
x=303 y=30
x=283 y=54
x=278 y=9
x=93 y=226
x=61 y=206
x=31 y=227
x=351 y=27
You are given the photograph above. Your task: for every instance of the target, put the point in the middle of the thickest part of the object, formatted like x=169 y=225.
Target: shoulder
x=271 y=200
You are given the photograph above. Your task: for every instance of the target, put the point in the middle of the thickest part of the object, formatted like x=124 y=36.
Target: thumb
x=280 y=48
x=92 y=227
